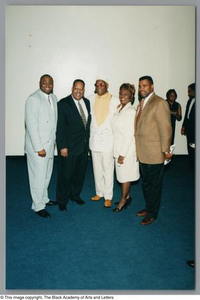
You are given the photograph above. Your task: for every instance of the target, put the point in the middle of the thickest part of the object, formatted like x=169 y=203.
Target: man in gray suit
x=40 y=127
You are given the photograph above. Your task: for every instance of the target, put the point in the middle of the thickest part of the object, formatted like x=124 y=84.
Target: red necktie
x=141 y=104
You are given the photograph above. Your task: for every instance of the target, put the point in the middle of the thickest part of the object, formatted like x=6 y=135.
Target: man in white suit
x=40 y=130
x=103 y=106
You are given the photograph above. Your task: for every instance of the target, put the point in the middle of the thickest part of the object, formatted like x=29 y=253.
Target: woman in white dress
x=126 y=164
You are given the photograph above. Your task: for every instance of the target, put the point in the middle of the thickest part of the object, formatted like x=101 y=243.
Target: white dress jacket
x=124 y=144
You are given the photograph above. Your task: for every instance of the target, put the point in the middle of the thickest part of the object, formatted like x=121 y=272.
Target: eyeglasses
x=99 y=84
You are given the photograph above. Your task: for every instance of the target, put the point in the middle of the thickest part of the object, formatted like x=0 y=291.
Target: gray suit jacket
x=40 y=123
x=153 y=134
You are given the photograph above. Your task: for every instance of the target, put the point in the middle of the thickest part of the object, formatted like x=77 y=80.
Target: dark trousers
x=191 y=152
x=71 y=175
x=152 y=178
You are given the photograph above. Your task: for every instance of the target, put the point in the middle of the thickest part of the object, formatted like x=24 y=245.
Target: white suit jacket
x=101 y=137
x=123 y=130
x=40 y=123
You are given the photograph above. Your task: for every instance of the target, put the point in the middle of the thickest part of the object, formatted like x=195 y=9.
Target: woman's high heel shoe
x=127 y=203
x=117 y=209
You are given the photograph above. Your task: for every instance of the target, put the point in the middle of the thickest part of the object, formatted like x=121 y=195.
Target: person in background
x=73 y=142
x=103 y=106
x=188 y=126
x=175 y=109
x=191 y=263
x=40 y=136
x=126 y=164
x=153 y=139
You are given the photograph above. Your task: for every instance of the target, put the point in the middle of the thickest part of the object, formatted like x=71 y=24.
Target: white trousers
x=39 y=172
x=103 y=167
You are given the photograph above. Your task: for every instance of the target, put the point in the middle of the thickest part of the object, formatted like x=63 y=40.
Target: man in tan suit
x=153 y=138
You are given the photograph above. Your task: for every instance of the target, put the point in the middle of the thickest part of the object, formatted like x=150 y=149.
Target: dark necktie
x=82 y=114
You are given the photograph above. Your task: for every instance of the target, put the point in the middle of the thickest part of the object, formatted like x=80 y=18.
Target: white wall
x=69 y=42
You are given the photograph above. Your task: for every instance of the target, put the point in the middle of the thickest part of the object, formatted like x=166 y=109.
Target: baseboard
x=23 y=157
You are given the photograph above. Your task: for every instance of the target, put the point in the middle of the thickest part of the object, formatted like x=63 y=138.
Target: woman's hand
x=120 y=160
x=183 y=130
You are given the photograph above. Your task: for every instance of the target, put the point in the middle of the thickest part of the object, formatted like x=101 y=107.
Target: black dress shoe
x=43 y=213
x=190 y=263
x=51 y=203
x=147 y=221
x=62 y=207
x=79 y=201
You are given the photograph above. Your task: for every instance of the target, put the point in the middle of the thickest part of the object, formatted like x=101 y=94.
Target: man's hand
x=42 y=153
x=64 y=152
x=168 y=155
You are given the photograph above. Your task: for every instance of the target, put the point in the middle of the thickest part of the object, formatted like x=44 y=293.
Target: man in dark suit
x=188 y=127
x=153 y=138
x=73 y=142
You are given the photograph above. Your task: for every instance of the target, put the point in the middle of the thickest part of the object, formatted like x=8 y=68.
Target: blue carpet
x=90 y=247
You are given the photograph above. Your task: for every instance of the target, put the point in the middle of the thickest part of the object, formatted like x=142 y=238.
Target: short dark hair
x=192 y=86
x=146 y=77
x=46 y=75
x=171 y=91
x=78 y=80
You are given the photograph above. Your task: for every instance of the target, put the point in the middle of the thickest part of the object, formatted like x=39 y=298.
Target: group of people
x=134 y=141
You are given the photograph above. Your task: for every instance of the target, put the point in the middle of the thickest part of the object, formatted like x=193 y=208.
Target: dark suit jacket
x=189 y=124
x=71 y=132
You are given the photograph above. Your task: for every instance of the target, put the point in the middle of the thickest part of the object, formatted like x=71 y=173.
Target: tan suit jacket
x=153 y=133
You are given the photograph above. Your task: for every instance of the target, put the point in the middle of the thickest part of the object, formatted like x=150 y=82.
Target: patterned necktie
x=141 y=104
x=82 y=114
x=51 y=104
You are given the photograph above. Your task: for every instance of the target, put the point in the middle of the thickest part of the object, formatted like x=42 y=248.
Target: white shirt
x=145 y=102
x=189 y=110
x=147 y=99
x=48 y=97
